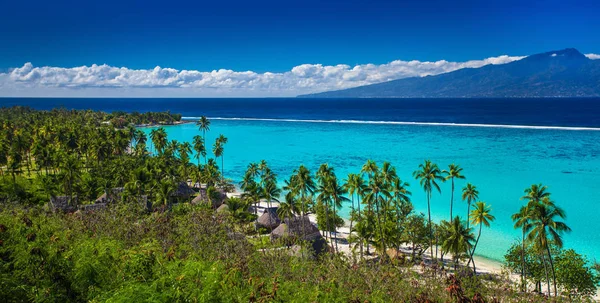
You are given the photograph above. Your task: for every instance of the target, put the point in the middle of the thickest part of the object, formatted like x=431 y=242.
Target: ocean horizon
x=504 y=146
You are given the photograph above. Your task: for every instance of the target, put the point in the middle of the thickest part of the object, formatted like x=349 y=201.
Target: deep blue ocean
x=504 y=146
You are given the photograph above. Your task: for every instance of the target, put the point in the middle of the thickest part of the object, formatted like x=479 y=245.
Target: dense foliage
x=211 y=250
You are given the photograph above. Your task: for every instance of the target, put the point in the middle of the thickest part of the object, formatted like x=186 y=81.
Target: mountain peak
x=567 y=53
x=559 y=73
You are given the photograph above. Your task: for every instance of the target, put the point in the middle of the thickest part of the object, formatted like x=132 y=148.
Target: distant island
x=563 y=73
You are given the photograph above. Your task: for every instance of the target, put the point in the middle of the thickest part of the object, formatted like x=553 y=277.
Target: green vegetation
x=138 y=237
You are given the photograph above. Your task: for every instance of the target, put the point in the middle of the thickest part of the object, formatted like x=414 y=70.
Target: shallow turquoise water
x=500 y=162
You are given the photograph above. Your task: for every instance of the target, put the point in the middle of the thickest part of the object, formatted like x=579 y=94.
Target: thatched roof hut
x=112 y=195
x=269 y=219
x=298 y=227
x=64 y=203
x=92 y=207
x=198 y=199
x=223 y=209
x=182 y=190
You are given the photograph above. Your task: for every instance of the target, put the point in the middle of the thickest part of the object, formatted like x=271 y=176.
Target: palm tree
x=469 y=193
x=271 y=191
x=401 y=201
x=377 y=192
x=428 y=175
x=355 y=184
x=159 y=139
x=369 y=168
x=218 y=152
x=199 y=148
x=203 y=125
x=222 y=141
x=480 y=216
x=536 y=193
x=521 y=220
x=458 y=240
x=453 y=172
x=336 y=192
x=164 y=191
x=546 y=227
x=288 y=208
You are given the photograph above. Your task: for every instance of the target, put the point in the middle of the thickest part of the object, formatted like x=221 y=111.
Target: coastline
x=484 y=265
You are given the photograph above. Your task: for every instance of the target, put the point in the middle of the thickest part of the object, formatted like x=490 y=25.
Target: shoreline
x=484 y=265
x=182 y=121
x=408 y=123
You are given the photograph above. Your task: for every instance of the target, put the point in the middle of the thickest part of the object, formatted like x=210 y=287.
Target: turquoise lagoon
x=500 y=161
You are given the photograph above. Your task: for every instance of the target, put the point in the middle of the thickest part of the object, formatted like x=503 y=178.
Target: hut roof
x=269 y=218
x=64 y=203
x=101 y=199
x=223 y=208
x=299 y=227
x=183 y=190
x=198 y=199
x=281 y=231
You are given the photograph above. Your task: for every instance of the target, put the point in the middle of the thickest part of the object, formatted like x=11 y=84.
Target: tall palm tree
x=355 y=184
x=521 y=220
x=458 y=241
x=536 y=193
x=470 y=194
x=271 y=192
x=480 y=216
x=546 y=227
x=377 y=192
x=369 y=168
x=337 y=193
x=429 y=174
x=199 y=148
x=303 y=183
x=221 y=140
x=218 y=152
x=203 y=125
x=454 y=172
x=289 y=208
x=401 y=201
x=159 y=139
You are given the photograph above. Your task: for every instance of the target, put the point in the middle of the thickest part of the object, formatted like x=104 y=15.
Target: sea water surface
x=504 y=146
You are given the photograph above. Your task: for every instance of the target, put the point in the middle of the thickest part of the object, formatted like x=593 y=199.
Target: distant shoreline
x=539 y=127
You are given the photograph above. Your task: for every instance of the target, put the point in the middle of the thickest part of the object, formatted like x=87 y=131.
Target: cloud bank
x=104 y=80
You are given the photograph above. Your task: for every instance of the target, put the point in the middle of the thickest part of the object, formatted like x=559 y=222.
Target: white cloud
x=593 y=56
x=104 y=80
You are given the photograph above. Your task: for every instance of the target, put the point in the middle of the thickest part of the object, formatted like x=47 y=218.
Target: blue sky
x=276 y=36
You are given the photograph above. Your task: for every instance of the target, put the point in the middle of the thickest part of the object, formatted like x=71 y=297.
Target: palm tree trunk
x=546 y=271
x=430 y=228
x=553 y=272
x=351 y=215
x=523 y=285
x=468 y=212
x=473 y=251
x=335 y=226
x=384 y=253
x=361 y=242
x=452 y=200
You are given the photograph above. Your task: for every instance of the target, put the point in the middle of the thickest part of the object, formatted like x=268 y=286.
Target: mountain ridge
x=561 y=73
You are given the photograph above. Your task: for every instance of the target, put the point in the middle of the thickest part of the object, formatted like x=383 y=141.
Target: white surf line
x=572 y=128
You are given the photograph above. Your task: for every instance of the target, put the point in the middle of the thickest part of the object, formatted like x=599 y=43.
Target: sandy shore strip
x=484 y=265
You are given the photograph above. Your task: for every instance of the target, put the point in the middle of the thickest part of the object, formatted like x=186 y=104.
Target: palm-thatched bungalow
x=300 y=228
x=223 y=209
x=269 y=219
x=217 y=197
x=182 y=191
x=64 y=203
x=92 y=207
x=113 y=195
